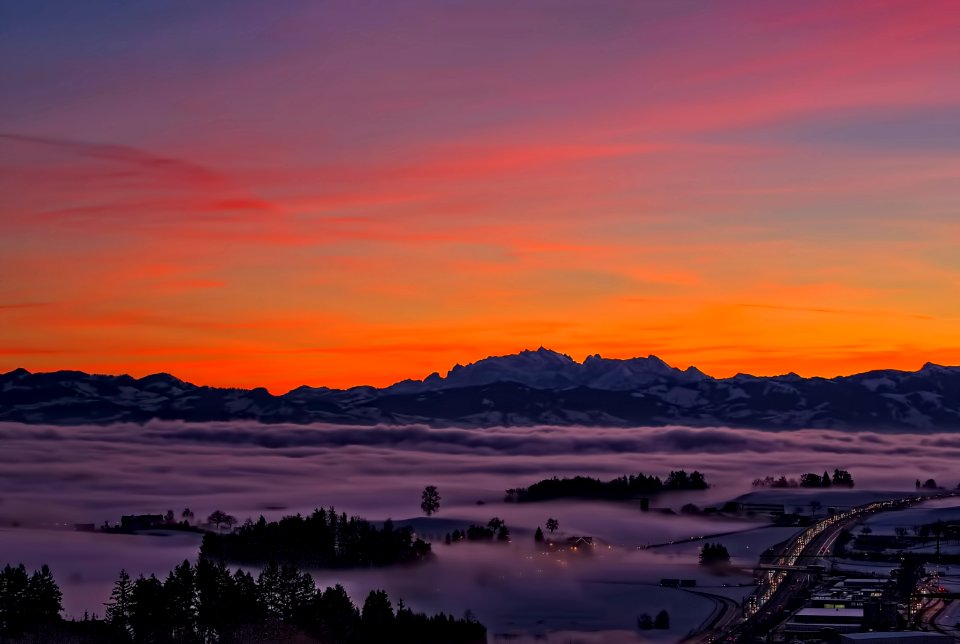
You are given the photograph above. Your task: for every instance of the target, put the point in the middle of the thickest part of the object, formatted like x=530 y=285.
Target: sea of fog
x=54 y=477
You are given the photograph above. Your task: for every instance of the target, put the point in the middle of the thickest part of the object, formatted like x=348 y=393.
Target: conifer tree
x=120 y=606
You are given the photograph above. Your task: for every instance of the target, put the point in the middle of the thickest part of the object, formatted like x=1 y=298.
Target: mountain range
x=540 y=387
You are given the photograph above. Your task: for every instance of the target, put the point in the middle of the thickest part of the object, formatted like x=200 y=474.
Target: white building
x=898 y=637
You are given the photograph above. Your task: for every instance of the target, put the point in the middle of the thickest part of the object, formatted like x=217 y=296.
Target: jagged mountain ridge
x=545 y=369
x=528 y=388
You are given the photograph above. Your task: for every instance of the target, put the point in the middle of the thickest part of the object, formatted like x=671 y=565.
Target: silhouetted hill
x=532 y=387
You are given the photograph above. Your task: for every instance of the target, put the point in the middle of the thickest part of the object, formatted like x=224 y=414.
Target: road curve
x=765 y=607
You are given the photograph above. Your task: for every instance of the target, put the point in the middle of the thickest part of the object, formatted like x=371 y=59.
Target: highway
x=940 y=611
x=947 y=619
x=766 y=607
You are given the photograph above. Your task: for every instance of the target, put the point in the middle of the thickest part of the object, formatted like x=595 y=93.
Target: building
x=835 y=599
x=812 y=623
x=579 y=545
x=850 y=593
x=879 y=615
x=897 y=637
x=867 y=583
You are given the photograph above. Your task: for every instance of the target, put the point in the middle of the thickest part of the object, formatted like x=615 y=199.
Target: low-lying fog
x=53 y=477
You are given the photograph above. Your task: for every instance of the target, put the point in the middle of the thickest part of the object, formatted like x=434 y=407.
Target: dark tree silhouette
x=149 y=615
x=495 y=529
x=44 y=598
x=205 y=603
x=645 y=622
x=28 y=602
x=324 y=539
x=842 y=478
x=938 y=528
x=662 y=620
x=120 y=606
x=713 y=554
x=14 y=599
x=179 y=591
x=552 y=525
x=377 y=617
x=430 y=500
x=810 y=479
x=215 y=598
x=907 y=576
x=338 y=620
x=538 y=535
x=221 y=519
x=286 y=592
x=621 y=488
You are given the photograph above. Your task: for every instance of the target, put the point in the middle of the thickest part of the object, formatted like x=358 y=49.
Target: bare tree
x=221 y=519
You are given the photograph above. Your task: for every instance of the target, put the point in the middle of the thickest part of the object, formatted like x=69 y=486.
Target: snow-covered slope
x=545 y=369
x=531 y=387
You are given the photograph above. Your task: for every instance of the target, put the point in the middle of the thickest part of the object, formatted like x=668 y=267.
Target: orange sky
x=359 y=193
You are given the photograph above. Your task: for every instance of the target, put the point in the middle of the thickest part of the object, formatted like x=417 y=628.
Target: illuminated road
x=766 y=607
x=947 y=619
x=725 y=610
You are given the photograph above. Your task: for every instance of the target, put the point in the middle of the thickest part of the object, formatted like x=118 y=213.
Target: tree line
x=496 y=528
x=660 y=622
x=206 y=603
x=620 y=488
x=324 y=539
x=27 y=600
x=714 y=554
x=840 y=478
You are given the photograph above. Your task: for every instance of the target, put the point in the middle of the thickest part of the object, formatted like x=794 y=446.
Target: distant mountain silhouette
x=528 y=388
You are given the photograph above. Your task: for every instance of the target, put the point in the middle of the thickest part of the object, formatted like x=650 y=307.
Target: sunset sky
x=341 y=193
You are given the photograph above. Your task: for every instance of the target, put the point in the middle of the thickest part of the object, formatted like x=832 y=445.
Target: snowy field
x=942 y=509
x=55 y=477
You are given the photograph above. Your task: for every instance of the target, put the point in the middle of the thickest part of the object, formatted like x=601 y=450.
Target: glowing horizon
x=346 y=194
x=445 y=373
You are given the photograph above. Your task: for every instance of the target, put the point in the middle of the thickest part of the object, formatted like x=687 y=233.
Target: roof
x=831 y=612
x=894 y=635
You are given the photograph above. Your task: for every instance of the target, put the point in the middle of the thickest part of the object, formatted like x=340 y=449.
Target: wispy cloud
x=832 y=311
